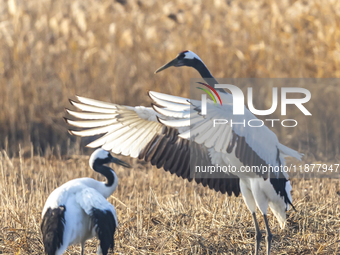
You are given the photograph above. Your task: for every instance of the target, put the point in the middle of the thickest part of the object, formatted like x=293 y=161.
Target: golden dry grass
x=108 y=50
x=160 y=213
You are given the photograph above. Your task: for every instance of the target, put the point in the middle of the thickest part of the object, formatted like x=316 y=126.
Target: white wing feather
x=90 y=198
x=261 y=139
x=129 y=129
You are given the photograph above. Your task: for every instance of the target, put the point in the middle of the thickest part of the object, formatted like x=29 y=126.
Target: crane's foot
x=269 y=235
x=258 y=235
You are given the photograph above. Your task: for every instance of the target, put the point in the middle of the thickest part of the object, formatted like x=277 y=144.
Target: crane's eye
x=181 y=56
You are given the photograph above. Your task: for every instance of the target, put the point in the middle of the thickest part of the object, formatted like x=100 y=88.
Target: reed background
x=109 y=50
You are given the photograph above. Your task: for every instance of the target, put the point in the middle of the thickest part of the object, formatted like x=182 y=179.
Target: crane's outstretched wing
x=232 y=139
x=136 y=132
x=222 y=132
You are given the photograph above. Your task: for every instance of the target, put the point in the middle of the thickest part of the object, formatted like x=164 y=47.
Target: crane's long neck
x=112 y=180
x=206 y=74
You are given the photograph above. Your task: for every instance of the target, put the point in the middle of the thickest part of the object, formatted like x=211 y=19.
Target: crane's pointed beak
x=171 y=63
x=120 y=162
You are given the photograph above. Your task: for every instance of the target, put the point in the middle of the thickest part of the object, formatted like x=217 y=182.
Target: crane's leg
x=82 y=248
x=257 y=235
x=250 y=202
x=269 y=235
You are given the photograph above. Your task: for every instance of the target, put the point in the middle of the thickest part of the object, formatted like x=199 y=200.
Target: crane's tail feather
x=52 y=228
x=105 y=225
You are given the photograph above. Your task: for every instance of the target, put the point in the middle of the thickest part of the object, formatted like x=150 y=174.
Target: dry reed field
x=108 y=50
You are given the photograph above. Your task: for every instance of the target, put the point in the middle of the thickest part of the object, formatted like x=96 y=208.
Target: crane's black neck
x=99 y=167
x=205 y=73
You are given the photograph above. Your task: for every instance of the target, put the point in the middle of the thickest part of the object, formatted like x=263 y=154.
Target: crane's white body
x=73 y=187
x=80 y=197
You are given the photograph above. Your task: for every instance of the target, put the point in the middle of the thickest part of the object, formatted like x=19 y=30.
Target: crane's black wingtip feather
x=158 y=119
x=66 y=110
x=65 y=119
x=149 y=91
x=153 y=105
x=71 y=101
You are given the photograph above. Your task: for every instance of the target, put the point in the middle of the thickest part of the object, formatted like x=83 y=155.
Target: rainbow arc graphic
x=209 y=93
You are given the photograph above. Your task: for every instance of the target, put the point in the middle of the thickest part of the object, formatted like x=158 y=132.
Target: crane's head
x=185 y=58
x=101 y=157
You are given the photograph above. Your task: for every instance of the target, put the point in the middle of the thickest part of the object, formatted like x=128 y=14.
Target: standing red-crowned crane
x=78 y=210
x=173 y=135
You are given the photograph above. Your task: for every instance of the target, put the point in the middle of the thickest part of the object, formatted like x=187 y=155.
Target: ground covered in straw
x=160 y=213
